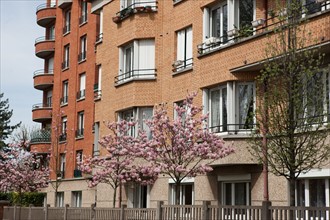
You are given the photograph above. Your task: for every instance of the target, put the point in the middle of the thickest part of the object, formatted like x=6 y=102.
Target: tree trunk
x=120 y=194
x=177 y=193
x=114 y=197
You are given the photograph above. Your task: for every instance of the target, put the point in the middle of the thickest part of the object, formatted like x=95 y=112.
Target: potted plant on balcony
x=148 y=8
x=258 y=22
x=232 y=32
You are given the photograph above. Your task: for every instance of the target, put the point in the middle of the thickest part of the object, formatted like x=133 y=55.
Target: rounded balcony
x=41 y=141
x=43 y=79
x=44 y=46
x=41 y=112
x=46 y=14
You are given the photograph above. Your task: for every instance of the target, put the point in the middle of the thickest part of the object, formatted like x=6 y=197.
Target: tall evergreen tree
x=5 y=114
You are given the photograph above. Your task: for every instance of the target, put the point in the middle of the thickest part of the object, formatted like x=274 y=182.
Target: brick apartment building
x=117 y=59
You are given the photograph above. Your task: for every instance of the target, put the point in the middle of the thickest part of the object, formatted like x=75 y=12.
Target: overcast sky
x=17 y=59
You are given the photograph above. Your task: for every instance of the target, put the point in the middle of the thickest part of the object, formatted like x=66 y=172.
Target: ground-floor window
x=313 y=192
x=59 y=199
x=235 y=193
x=76 y=198
x=186 y=194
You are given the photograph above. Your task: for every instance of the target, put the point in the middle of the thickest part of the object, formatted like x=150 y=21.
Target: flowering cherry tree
x=21 y=171
x=183 y=147
x=119 y=165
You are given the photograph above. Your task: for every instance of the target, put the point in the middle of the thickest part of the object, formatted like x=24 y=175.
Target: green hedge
x=34 y=198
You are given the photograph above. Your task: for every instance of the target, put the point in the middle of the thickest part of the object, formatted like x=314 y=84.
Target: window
x=64 y=129
x=184 y=56
x=66 y=57
x=65 y=95
x=83 y=12
x=99 y=37
x=137 y=196
x=314 y=6
x=79 y=158
x=76 y=198
x=313 y=192
x=52 y=32
x=96 y=149
x=186 y=192
x=82 y=86
x=80 y=130
x=83 y=48
x=222 y=17
x=235 y=193
x=218 y=109
x=140 y=114
x=50 y=65
x=231 y=107
x=133 y=3
x=137 y=61
x=98 y=82
x=62 y=166
x=67 y=20
x=59 y=199
x=49 y=98
x=245 y=111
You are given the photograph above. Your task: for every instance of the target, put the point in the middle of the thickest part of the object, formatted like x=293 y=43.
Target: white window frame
x=67 y=21
x=77 y=199
x=82 y=86
x=66 y=57
x=184 y=183
x=184 y=54
x=62 y=164
x=84 y=11
x=60 y=199
x=65 y=96
x=83 y=48
x=81 y=123
x=221 y=116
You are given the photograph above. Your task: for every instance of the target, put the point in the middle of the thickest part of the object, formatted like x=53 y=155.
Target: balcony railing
x=64 y=100
x=80 y=133
x=234 y=128
x=82 y=56
x=41 y=105
x=81 y=94
x=62 y=137
x=259 y=26
x=65 y=64
x=180 y=65
x=140 y=74
x=66 y=29
x=137 y=7
x=41 y=136
x=43 y=72
x=45 y=6
x=44 y=38
x=83 y=19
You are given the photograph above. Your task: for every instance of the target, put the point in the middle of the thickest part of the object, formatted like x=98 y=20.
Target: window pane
x=215 y=22
x=240 y=194
x=228 y=194
x=215 y=110
x=245 y=93
x=317 y=192
x=301 y=192
x=245 y=13
x=188 y=194
x=224 y=109
x=224 y=22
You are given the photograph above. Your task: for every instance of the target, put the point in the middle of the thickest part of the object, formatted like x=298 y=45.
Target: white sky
x=18 y=30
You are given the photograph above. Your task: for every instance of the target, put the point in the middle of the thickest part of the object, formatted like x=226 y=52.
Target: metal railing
x=82 y=56
x=79 y=133
x=182 y=64
x=234 y=128
x=44 y=38
x=139 y=74
x=43 y=72
x=41 y=136
x=45 y=6
x=81 y=94
x=136 y=7
x=265 y=25
x=41 y=106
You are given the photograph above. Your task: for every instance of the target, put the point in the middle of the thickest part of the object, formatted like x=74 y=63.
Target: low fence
x=169 y=212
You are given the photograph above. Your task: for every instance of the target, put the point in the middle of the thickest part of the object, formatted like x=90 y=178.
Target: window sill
x=79 y=138
x=82 y=61
x=98 y=42
x=83 y=23
x=66 y=33
x=176 y=2
x=175 y=73
x=64 y=69
x=80 y=99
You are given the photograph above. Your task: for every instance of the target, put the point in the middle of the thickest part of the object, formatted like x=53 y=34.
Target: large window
x=235 y=193
x=140 y=114
x=231 y=107
x=186 y=194
x=313 y=192
x=137 y=60
x=83 y=12
x=184 y=56
x=219 y=21
x=67 y=21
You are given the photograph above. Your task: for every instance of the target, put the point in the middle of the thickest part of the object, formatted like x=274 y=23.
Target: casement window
x=83 y=49
x=313 y=188
x=186 y=192
x=66 y=57
x=79 y=158
x=231 y=107
x=99 y=36
x=65 y=92
x=184 y=55
x=81 y=124
x=49 y=98
x=50 y=65
x=234 y=189
x=141 y=114
x=137 y=196
x=98 y=82
x=76 y=198
x=137 y=61
x=96 y=148
x=225 y=16
x=51 y=32
x=82 y=86
x=83 y=12
x=67 y=21
x=62 y=166
x=64 y=128
x=59 y=199
x=136 y=3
